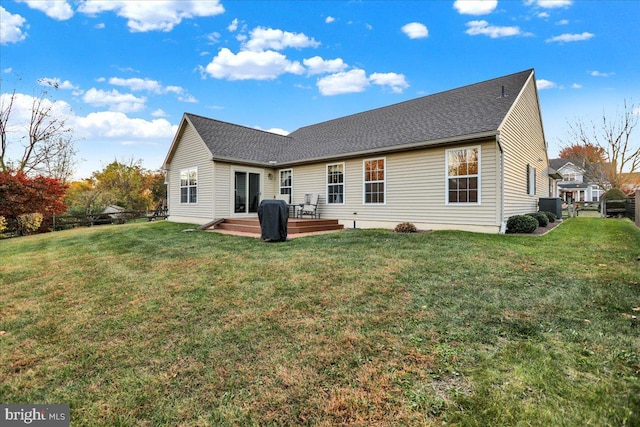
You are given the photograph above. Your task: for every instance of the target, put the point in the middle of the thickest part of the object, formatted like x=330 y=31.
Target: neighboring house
x=114 y=211
x=575 y=186
x=468 y=159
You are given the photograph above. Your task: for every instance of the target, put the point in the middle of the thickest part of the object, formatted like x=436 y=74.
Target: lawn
x=147 y=325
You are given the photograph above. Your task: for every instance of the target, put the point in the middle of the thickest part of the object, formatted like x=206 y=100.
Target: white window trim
x=531 y=179
x=364 y=182
x=344 y=181
x=280 y=182
x=232 y=174
x=180 y=187
x=479 y=175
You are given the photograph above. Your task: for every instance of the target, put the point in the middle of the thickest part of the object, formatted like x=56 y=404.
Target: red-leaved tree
x=23 y=194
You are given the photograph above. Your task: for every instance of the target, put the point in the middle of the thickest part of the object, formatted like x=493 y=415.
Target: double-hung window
x=335 y=183
x=374 y=181
x=286 y=182
x=189 y=185
x=463 y=175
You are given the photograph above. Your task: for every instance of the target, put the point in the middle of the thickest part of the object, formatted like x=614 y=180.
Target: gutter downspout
x=503 y=224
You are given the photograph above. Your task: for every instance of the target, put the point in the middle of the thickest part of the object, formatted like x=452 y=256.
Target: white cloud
x=188 y=98
x=269 y=38
x=543 y=15
x=576 y=86
x=566 y=38
x=415 y=30
x=12 y=27
x=277 y=131
x=114 y=100
x=57 y=9
x=475 y=7
x=551 y=4
x=247 y=65
x=396 y=82
x=159 y=113
x=56 y=83
x=600 y=74
x=329 y=19
x=136 y=84
x=317 y=65
x=213 y=38
x=116 y=125
x=345 y=82
x=21 y=112
x=483 y=28
x=563 y=22
x=153 y=15
x=100 y=26
x=152 y=86
x=233 y=26
x=545 y=84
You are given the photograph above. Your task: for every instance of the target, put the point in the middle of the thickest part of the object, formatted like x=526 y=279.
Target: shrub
x=614 y=194
x=28 y=223
x=3 y=226
x=521 y=224
x=550 y=216
x=405 y=227
x=542 y=219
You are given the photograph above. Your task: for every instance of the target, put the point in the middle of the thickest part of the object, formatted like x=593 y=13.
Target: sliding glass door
x=247 y=192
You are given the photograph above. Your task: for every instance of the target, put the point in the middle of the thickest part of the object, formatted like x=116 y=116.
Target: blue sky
x=127 y=70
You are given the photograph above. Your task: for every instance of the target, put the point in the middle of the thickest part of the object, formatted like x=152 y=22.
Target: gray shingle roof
x=226 y=140
x=558 y=163
x=469 y=110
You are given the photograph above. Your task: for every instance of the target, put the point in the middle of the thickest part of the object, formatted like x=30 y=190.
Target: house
x=467 y=159
x=575 y=185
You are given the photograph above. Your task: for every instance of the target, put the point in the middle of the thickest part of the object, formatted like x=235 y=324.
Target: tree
x=157 y=187
x=589 y=153
x=21 y=194
x=83 y=198
x=609 y=155
x=127 y=183
x=43 y=137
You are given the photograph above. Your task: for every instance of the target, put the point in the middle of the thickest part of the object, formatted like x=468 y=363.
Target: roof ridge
x=408 y=101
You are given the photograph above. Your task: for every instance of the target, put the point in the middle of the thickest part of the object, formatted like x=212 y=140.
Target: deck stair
x=294 y=226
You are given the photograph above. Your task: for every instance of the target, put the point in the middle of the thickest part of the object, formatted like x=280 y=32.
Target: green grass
x=146 y=325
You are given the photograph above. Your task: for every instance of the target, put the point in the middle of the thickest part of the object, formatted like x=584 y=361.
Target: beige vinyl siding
x=415 y=189
x=191 y=152
x=223 y=190
x=522 y=139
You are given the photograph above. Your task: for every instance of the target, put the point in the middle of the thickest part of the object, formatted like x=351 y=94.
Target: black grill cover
x=273 y=216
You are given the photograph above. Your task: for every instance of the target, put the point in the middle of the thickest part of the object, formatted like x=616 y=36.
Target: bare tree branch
x=49 y=146
x=621 y=156
x=5 y=113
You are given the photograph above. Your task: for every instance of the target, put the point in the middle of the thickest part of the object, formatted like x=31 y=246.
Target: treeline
x=29 y=203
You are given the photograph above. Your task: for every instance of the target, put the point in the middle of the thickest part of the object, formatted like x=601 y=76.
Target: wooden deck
x=294 y=225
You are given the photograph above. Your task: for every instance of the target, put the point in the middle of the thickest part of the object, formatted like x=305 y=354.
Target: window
x=531 y=180
x=335 y=183
x=463 y=175
x=286 y=182
x=189 y=185
x=374 y=181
